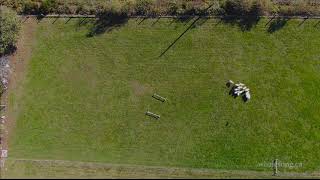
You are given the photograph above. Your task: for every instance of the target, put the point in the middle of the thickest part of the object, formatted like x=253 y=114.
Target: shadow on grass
x=106 y=21
x=82 y=22
x=143 y=19
x=39 y=17
x=246 y=23
x=176 y=22
x=183 y=19
x=156 y=21
x=192 y=25
x=277 y=24
x=55 y=20
x=25 y=19
x=69 y=19
x=186 y=19
x=302 y=22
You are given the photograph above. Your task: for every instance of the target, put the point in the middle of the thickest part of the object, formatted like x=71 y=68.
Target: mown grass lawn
x=85 y=98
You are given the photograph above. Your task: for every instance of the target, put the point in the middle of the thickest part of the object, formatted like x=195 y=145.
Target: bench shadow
x=106 y=21
x=277 y=24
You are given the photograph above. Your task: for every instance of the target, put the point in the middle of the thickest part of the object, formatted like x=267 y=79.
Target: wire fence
x=184 y=16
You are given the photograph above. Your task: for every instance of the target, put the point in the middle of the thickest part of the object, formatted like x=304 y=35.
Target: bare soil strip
x=18 y=63
x=31 y=168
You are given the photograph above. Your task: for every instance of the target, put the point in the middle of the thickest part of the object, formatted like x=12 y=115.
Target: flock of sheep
x=239 y=90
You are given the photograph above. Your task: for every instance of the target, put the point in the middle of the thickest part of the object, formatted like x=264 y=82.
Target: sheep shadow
x=106 y=21
x=277 y=24
x=244 y=98
x=231 y=92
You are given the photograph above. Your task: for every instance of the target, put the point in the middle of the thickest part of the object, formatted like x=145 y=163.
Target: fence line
x=60 y=16
x=166 y=16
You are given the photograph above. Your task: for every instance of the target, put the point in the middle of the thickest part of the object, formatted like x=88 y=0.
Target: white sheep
x=247 y=95
x=230 y=83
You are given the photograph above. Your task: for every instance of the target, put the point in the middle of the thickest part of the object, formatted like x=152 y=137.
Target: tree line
x=164 y=7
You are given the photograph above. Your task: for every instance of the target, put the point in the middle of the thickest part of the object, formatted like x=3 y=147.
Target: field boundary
x=167 y=16
x=60 y=168
x=124 y=170
x=18 y=65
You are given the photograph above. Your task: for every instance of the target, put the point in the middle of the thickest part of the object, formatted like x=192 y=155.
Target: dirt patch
x=28 y=168
x=18 y=64
x=140 y=89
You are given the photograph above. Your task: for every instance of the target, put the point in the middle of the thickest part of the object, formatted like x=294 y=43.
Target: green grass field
x=85 y=98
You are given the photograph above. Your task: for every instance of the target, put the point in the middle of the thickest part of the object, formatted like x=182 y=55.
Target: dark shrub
x=237 y=7
x=299 y=8
x=48 y=6
x=244 y=13
x=9 y=29
x=167 y=7
x=107 y=20
x=172 y=8
x=30 y=7
x=144 y=7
